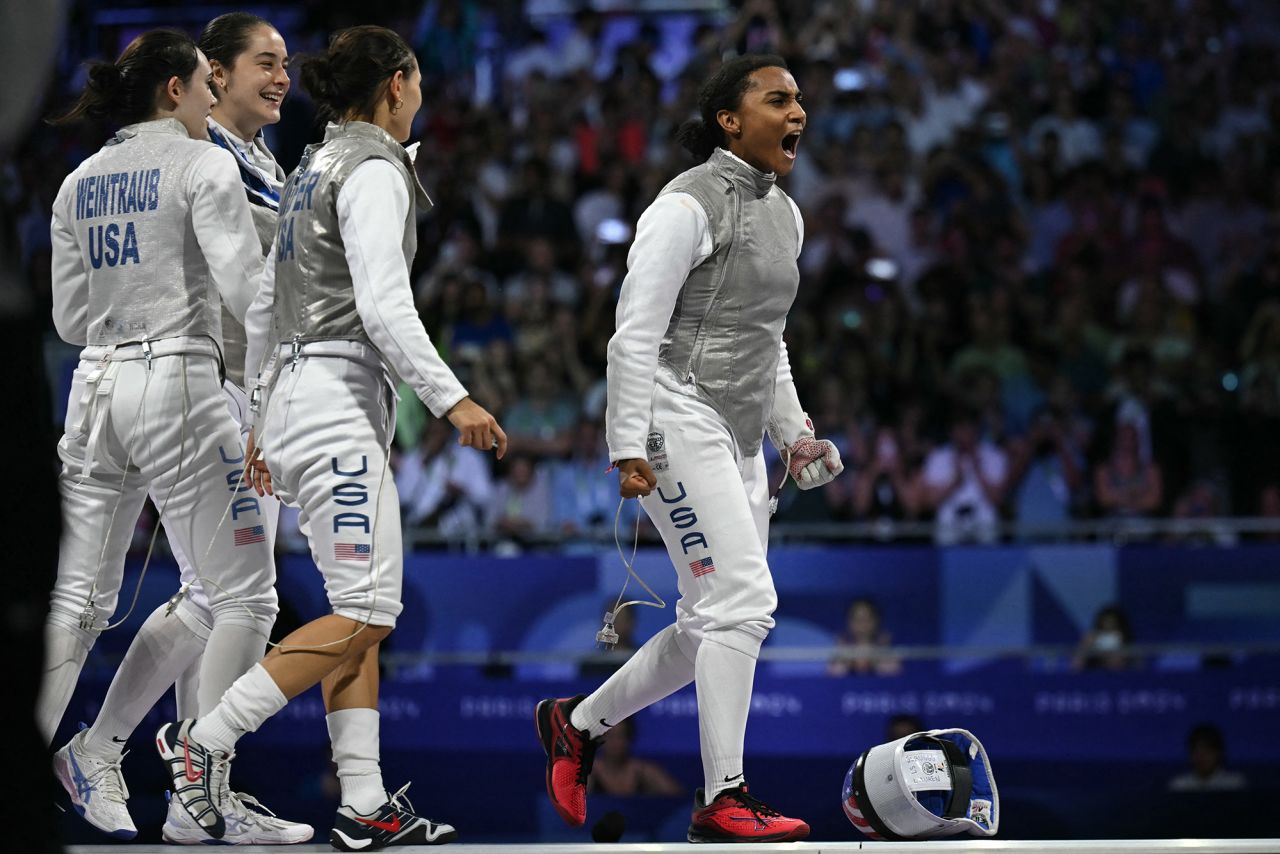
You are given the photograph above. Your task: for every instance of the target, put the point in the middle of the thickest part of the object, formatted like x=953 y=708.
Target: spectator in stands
x=1206 y=754
x=1125 y=485
x=519 y=514
x=861 y=647
x=965 y=482
x=884 y=488
x=617 y=772
x=544 y=416
x=1048 y=472
x=582 y=497
x=1105 y=645
x=444 y=485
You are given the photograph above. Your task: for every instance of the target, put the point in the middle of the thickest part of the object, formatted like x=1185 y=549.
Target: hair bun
x=105 y=75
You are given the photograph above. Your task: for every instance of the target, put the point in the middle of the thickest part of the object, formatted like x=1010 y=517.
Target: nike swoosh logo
x=603 y=722
x=118 y=740
x=192 y=774
x=734 y=777
x=389 y=826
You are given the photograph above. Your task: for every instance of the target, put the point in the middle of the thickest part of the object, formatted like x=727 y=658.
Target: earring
x=395 y=108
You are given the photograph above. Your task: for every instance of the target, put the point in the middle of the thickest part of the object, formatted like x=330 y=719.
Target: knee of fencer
x=255 y=612
x=69 y=621
x=196 y=618
x=745 y=637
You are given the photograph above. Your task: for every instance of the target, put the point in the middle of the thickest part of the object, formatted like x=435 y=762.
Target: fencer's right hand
x=476 y=427
x=255 y=468
x=635 y=478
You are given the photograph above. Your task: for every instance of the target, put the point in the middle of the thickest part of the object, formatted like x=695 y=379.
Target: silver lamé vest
x=314 y=296
x=724 y=333
x=148 y=277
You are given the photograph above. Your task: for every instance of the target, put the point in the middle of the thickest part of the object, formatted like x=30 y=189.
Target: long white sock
x=65 y=651
x=231 y=651
x=186 y=693
x=354 y=734
x=725 y=672
x=658 y=669
x=248 y=703
x=161 y=650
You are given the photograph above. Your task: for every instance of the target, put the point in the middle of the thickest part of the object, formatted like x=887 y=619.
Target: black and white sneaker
x=195 y=771
x=393 y=823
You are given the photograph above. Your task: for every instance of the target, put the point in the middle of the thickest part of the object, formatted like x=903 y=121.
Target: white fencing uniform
x=262 y=180
x=711 y=504
x=697 y=373
x=147 y=235
x=337 y=298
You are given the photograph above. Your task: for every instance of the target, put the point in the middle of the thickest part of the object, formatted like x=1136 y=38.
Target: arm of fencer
x=372 y=206
x=788 y=421
x=224 y=228
x=672 y=237
x=257 y=322
x=70 y=278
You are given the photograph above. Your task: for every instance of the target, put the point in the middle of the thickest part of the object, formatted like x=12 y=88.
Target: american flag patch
x=254 y=534
x=351 y=551
x=702 y=567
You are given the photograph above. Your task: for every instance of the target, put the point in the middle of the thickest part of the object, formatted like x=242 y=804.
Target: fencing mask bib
x=925 y=786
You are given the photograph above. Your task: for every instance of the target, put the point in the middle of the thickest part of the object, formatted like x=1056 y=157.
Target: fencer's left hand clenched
x=255 y=469
x=814 y=462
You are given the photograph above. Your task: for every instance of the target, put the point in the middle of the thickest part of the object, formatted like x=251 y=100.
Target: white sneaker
x=96 y=787
x=248 y=822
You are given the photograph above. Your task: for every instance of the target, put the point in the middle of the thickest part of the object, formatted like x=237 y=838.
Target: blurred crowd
x=1040 y=276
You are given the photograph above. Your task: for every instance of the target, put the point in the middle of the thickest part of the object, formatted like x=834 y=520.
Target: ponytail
x=125 y=91
x=350 y=77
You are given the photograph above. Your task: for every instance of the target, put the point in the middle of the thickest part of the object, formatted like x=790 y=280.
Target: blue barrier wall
x=1063 y=744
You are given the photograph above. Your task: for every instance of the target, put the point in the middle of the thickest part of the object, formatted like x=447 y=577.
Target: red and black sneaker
x=736 y=816
x=570 y=753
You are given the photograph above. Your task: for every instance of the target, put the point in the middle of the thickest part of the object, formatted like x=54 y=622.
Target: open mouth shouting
x=790 y=143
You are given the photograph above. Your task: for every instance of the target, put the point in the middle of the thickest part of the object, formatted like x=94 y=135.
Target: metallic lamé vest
x=148 y=277
x=723 y=336
x=314 y=297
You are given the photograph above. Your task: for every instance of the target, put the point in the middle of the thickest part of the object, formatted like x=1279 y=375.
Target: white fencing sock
x=186 y=691
x=65 y=651
x=658 y=669
x=246 y=706
x=161 y=650
x=725 y=673
x=231 y=651
x=354 y=735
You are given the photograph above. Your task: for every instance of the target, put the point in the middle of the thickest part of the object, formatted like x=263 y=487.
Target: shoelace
x=247 y=806
x=109 y=778
x=400 y=793
x=757 y=806
x=588 y=759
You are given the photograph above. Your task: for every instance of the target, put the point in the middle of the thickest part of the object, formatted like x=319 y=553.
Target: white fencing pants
x=134 y=425
x=325 y=435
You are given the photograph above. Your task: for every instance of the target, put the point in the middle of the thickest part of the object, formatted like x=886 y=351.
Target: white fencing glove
x=813 y=462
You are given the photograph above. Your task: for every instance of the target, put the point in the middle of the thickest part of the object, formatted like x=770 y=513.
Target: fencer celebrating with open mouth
x=697 y=373
x=333 y=323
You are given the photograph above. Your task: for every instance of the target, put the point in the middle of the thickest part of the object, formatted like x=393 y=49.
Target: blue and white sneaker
x=393 y=823
x=96 y=787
